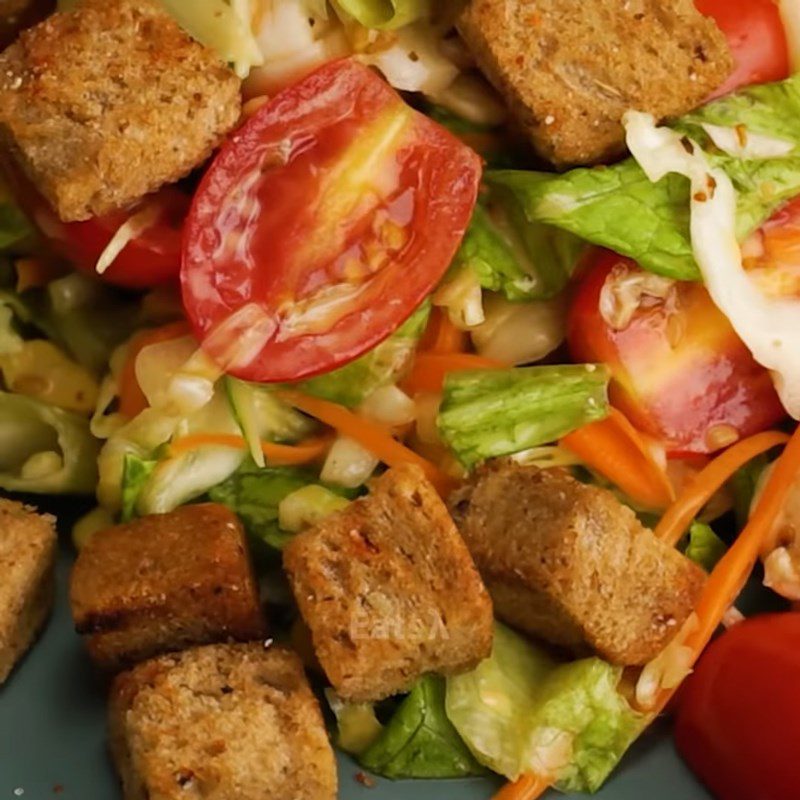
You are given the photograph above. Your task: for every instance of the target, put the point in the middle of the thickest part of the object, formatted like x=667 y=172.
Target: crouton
x=389 y=591
x=103 y=104
x=165 y=582
x=569 y=563
x=28 y=546
x=221 y=722
x=570 y=69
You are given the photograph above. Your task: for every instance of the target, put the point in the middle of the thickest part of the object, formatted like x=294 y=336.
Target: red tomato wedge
x=756 y=37
x=680 y=372
x=737 y=722
x=321 y=225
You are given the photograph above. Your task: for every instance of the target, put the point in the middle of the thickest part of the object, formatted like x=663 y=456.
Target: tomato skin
x=297 y=205
x=679 y=370
x=738 y=719
x=756 y=37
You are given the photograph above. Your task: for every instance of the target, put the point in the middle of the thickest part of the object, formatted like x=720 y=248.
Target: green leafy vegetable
x=43 y=449
x=255 y=494
x=420 y=741
x=520 y=710
x=490 y=413
x=744 y=483
x=704 y=546
x=385 y=14
x=522 y=259
x=308 y=506
x=619 y=208
x=14 y=226
x=351 y=384
x=357 y=724
x=136 y=472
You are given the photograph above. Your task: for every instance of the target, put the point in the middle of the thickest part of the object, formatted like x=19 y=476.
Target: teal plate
x=53 y=745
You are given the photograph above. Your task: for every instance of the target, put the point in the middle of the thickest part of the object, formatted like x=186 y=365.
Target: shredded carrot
x=281 y=455
x=615 y=449
x=527 y=787
x=33 y=273
x=370 y=435
x=441 y=336
x=731 y=573
x=430 y=369
x=131 y=398
x=710 y=480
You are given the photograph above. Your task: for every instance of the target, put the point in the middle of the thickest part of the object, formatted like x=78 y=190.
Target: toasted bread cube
x=389 y=591
x=569 y=563
x=570 y=69
x=165 y=582
x=28 y=547
x=221 y=722
x=103 y=104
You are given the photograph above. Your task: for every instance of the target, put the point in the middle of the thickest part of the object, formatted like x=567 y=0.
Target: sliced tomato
x=321 y=225
x=737 y=721
x=756 y=37
x=680 y=372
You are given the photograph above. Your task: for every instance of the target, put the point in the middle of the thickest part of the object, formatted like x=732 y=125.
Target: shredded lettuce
x=491 y=413
x=419 y=740
x=743 y=485
x=619 y=208
x=521 y=710
x=704 y=546
x=385 y=14
x=44 y=449
x=136 y=471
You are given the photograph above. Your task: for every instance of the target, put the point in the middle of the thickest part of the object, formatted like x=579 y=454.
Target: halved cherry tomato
x=756 y=37
x=151 y=258
x=739 y=713
x=680 y=372
x=321 y=225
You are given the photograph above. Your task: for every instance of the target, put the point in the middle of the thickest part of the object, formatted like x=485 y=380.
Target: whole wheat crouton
x=103 y=104
x=569 y=563
x=28 y=546
x=570 y=69
x=389 y=591
x=164 y=582
x=221 y=722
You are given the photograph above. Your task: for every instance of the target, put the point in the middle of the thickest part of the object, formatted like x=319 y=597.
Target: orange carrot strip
x=277 y=454
x=441 y=336
x=131 y=398
x=615 y=449
x=731 y=573
x=710 y=480
x=368 y=434
x=526 y=787
x=430 y=369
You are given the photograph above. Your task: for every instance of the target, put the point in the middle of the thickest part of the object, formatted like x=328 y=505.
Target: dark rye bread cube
x=220 y=722
x=28 y=546
x=570 y=69
x=103 y=104
x=165 y=582
x=569 y=563
x=389 y=591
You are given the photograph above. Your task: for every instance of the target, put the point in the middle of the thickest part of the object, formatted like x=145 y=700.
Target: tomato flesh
x=756 y=37
x=738 y=721
x=679 y=370
x=321 y=225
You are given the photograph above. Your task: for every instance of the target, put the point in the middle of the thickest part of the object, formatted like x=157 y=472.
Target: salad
x=486 y=336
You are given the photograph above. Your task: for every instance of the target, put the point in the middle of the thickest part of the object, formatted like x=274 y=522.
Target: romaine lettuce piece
x=136 y=471
x=308 y=506
x=522 y=711
x=743 y=484
x=704 y=546
x=385 y=14
x=43 y=449
x=351 y=384
x=14 y=225
x=619 y=208
x=419 y=740
x=491 y=413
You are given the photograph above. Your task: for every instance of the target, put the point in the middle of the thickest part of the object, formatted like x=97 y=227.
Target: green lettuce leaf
x=704 y=546
x=420 y=741
x=14 y=225
x=256 y=493
x=491 y=413
x=44 y=449
x=744 y=483
x=520 y=710
x=522 y=259
x=385 y=14
x=351 y=384
x=136 y=472
x=619 y=208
